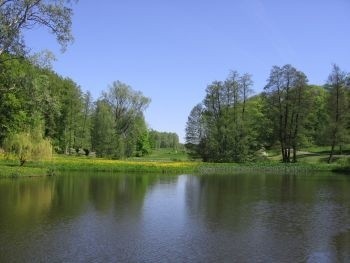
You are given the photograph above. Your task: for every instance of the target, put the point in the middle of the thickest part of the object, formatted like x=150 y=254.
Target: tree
x=16 y=16
x=245 y=89
x=29 y=146
x=163 y=140
x=337 y=107
x=27 y=90
x=103 y=136
x=316 y=122
x=195 y=133
x=127 y=104
x=217 y=129
x=285 y=102
x=71 y=116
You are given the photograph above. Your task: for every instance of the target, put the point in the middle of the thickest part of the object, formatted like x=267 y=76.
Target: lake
x=161 y=218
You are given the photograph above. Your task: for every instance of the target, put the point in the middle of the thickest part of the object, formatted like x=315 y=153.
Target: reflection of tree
x=25 y=202
x=224 y=200
x=278 y=202
x=125 y=192
x=342 y=245
x=283 y=217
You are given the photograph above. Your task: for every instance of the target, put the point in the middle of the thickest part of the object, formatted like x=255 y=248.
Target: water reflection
x=285 y=218
x=152 y=218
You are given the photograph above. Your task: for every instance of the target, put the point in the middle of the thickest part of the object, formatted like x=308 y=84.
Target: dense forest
x=230 y=125
x=35 y=100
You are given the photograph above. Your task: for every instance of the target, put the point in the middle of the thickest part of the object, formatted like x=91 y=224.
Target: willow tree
x=285 y=101
x=29 y=145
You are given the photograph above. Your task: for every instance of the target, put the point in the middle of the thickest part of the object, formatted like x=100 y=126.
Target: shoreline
x=58 y=164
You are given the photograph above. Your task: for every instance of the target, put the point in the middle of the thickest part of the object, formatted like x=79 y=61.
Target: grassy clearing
x=164 y=155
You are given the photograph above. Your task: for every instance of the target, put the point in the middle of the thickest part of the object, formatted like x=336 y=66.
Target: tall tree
x=127 y=104
x=195 y=133
x=285 y=94
x=217 y=130
x=17 y=16
x=246 y=84
x=337 y=107
x=103 y=137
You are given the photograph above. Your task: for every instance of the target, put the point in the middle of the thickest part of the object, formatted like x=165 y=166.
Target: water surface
x=151 y=218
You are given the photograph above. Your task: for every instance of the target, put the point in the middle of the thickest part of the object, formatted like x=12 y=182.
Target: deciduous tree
x=285 y=97
x=337 y=85
x=17 y=16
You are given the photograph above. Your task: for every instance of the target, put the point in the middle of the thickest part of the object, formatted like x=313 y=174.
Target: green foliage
x=219 y=129
x=287 y=107
x=19 y=15
x=315 y=125
x=338 y=108
x=28 y=146
x=103 y=136
x=119 y=129
x=143 y=146
x=161 y=140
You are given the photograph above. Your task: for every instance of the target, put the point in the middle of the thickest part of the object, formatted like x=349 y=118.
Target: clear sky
x=171 y=50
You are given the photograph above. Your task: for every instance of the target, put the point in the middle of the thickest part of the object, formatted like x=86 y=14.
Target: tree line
x=230 y=125
x=36 y=100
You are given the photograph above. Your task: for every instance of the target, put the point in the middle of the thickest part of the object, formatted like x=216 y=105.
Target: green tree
x=17 y=16
x=337 y=108
x=218 y=130
x=316 y=122
x=163 y=139
x=71 y=116
x=29 y=146
x=103 y=136
x=195 y=132
x=128 y=106
x=285 y=100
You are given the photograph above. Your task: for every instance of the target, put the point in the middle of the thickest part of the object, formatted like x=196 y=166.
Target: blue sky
x=171 y=50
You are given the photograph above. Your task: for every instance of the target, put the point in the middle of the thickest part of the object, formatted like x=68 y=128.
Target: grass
x=164 y=161
x=166 y=154
x=170 y=161
x=265 y=167
x=100 y=164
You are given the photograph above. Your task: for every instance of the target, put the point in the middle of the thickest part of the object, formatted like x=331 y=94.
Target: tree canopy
x=17 y=16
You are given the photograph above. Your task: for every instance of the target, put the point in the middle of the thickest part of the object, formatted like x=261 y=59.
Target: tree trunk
x=294 y=154
x=332 y=152
x=21 y=162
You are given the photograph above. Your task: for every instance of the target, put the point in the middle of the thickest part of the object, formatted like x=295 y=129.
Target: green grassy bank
x=169 y=161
